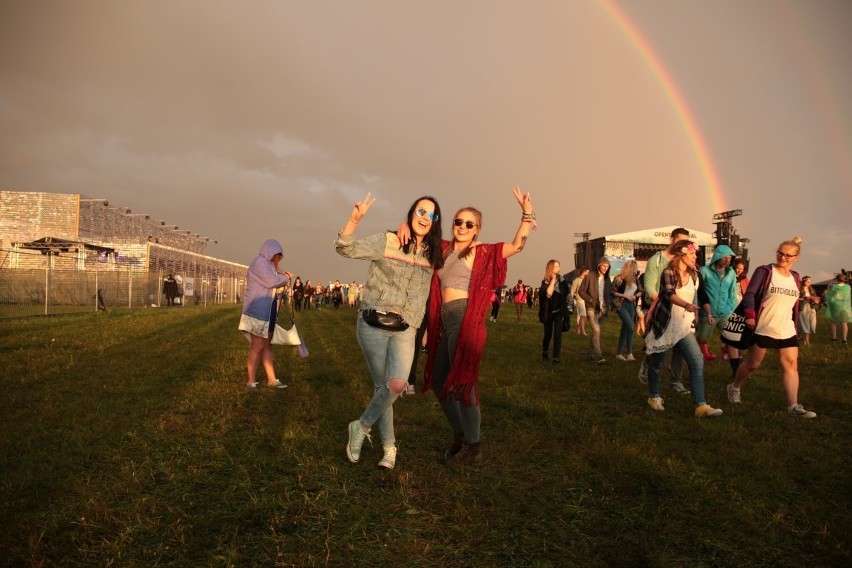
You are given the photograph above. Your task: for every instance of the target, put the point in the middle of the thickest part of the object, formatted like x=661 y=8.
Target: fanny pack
x=390 y=321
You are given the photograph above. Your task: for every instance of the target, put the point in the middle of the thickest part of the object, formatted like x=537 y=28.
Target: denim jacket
x=397 y=282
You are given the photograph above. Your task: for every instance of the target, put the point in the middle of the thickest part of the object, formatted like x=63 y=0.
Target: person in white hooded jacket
x=260 y=309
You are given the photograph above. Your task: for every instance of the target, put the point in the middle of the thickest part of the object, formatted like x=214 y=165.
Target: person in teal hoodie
x=720 y=293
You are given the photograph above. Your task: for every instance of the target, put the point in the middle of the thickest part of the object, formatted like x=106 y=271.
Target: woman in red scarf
x=458 y=302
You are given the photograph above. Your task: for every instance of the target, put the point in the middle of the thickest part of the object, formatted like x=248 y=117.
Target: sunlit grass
x=128 y=438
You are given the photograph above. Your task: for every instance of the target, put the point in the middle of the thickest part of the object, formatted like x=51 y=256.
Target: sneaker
x=356 y=440
x=410 y=389
x=630 y=357
x=799 y=410
x=251 y=385
x=703 y=410
x=276 y=385
x=556 y=360
x=621 y=357
x=601 y=361
x=734 y=394
x=389 y=460
x=678 y=387
x=656 y=403
x=643 y=372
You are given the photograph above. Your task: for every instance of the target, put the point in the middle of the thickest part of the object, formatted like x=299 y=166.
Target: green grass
x=127 y=438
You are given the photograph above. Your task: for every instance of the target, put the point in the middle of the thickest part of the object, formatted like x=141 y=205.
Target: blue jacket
x=718 y=291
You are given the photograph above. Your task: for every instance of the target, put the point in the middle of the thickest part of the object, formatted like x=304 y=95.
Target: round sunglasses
x=460 y=222
x=420 y=212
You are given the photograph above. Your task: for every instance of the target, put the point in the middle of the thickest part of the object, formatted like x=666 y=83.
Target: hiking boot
x=678 y=387
x=704 y=410
x=469 y=454
x=799 y=410
x=621 y=357
x=656 y=403
x=734 y=394
x=356 y=440
x=390 y=458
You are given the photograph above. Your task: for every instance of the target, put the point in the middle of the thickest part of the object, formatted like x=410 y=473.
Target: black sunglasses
x=420 y=212
x=460 y=222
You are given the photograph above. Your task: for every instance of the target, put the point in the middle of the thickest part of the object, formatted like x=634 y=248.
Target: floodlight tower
x=724 y=227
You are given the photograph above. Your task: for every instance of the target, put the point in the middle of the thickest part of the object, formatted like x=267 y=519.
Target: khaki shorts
x=704 y=331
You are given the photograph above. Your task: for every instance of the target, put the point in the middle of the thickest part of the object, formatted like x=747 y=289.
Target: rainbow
x=693 y=134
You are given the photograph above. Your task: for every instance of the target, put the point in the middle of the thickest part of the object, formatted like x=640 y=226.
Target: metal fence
x=32 y=283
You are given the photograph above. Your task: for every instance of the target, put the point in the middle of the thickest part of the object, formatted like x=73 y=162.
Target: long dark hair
x=432 y=240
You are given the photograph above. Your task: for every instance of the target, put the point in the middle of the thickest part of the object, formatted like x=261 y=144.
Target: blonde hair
x=476 y=215
x=794 y=242
x=548 y=271
x=628 y=272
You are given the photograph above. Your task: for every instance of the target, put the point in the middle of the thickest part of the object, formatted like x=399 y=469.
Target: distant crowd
x=439 y=295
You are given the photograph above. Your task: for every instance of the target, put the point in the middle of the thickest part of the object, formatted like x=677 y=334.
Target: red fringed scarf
x=489 y=272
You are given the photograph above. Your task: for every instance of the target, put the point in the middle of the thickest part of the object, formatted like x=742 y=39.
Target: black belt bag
x=390 y=321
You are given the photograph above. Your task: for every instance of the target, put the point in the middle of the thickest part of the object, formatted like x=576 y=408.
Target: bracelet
x=528 y=216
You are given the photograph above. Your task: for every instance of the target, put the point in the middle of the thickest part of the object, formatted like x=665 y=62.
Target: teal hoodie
x=719 y=291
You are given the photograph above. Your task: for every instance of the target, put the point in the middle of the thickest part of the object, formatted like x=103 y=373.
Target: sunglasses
x=460 y=222
x=420 y=212
x=785 y=255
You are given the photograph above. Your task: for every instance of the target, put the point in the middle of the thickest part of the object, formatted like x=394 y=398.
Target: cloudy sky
x=244 y=120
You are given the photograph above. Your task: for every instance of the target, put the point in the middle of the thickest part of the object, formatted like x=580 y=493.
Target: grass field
x=127 y=438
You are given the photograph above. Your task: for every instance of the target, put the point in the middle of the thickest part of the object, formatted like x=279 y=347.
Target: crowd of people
x=425 y=292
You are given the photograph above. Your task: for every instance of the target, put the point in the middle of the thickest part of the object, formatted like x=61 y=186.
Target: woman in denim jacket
x=398 y=285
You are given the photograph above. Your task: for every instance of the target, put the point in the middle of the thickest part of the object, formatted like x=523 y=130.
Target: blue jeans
x=627 y=313
x=466 y=419
x=389 y=355
x=688 y=348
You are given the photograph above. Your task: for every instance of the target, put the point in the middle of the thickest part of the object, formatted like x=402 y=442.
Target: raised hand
x=361 y=208
x=524 y=199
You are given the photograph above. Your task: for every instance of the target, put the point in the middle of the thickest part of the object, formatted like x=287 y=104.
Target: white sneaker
x=356 y=440
x=656 y=403
x=630 y=357
x=704 y=410
x=621 y=357
x=799 y=410
x=678 y=387
x=389 y=460
x=734 y=394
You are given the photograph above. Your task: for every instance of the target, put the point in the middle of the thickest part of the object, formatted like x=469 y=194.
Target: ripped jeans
x=389 y=355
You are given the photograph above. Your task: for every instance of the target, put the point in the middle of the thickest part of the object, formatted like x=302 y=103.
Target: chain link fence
x=35 y=283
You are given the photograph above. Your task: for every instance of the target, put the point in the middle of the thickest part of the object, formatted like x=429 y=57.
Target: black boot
x=453 y=449
x=469 y=454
